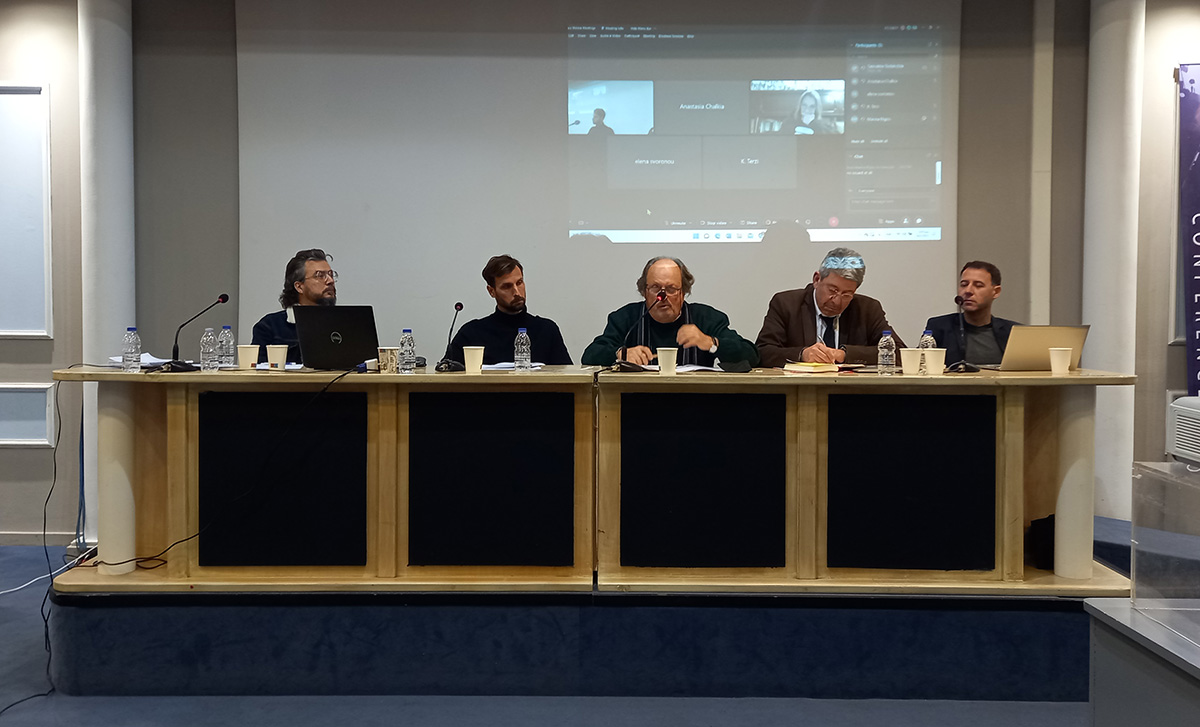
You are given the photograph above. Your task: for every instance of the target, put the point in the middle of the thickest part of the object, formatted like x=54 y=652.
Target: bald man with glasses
x=308 y=279
x=827 y=321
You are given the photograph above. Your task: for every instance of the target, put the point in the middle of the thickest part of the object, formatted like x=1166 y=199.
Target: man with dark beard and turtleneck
x=308 y=279
x=496 y=333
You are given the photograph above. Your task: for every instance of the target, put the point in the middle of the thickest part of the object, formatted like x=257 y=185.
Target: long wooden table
x=727 y=486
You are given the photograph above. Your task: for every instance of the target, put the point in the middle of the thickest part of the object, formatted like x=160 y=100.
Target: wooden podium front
x=849 y=483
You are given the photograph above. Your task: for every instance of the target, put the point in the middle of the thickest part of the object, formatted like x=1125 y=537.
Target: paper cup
x=474 y=358
x=666 y=361
x=910 y=361
x=277 y=357
x=935 y=361
x=247 y=356
x=389 y=359
x=1060 y=361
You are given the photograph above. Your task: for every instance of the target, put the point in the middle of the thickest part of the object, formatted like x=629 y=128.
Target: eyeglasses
x=322 y=274
x=654 y=290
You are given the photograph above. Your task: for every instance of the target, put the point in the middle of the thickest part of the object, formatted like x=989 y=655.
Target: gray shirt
x=982 y=347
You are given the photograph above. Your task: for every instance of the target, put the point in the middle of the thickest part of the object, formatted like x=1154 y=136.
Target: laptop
x=336 y=337
x=1029 y=346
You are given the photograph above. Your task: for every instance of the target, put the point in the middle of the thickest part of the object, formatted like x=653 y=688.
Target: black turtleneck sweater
x=497 y=332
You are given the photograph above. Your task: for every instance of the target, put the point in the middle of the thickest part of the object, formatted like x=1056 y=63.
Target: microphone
x=446 y=364
x=175 y=364
x=962 y=365
x=662 y=295
x=574 y=123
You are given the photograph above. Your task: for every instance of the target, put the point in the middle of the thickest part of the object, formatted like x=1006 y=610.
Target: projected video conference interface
x=715 y=135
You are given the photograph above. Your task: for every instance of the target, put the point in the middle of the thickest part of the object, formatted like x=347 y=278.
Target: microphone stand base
x=177 y=367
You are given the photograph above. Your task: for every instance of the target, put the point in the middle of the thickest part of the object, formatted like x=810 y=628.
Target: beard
x=330 y=301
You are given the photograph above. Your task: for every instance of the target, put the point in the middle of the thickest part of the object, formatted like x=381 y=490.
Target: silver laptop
x=1029 y=346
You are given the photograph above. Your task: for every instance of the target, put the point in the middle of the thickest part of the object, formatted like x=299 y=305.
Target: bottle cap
x=227 y=328
x=927 y=332
x=520 y=330
x=406 y=330
x=208 y=330
x=887 y=333
x=131 y=328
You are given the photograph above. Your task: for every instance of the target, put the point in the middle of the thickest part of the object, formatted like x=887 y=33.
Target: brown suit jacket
x=790 y=326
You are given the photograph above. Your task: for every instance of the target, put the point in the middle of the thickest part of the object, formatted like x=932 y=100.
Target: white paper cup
x=1060 y=361
x=277 y=357
x=666 y=361
x=389 y=359
x=935 y=361
x=247 y=356
x=910 y=361
x=474 y=358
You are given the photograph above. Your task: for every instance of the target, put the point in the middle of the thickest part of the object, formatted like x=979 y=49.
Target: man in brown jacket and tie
x=826 y=321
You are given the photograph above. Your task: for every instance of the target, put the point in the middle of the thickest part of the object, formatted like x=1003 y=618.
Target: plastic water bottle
x=208 y=350
x=927 y=341
x=131 y=352
x=887 y=354
x=522 y=352
x=226 y=347
x=408 y=352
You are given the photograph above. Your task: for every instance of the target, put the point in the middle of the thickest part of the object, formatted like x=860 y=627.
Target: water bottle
x=887 y=354
x=131 y=353
x=522 y=352
x=408 y=352
x=208 y=350
x=927 y=341
x=226 y=348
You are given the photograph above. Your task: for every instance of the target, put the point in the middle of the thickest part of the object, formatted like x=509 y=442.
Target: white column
x=1042 y=162
x=1110 y=233
x=106 y=203
x=117 y=516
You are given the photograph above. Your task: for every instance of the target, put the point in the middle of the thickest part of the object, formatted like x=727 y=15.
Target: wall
x=38 y=43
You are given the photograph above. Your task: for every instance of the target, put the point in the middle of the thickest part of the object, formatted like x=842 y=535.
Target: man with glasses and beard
x=505 y=278
x=825 y=322
x=308 y=279
x=663 y=319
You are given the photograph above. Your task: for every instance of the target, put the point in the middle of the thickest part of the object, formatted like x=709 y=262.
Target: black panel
x=912 y=482
x=703 y=480
x=491 y=478
x=283 y=478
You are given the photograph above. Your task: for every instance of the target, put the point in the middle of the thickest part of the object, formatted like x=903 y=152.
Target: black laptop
x=336 y=337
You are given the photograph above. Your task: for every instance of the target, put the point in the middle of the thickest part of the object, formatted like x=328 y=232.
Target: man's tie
x=830 y=337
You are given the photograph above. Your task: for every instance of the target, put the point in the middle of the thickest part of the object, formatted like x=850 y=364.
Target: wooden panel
x=585 y=481
x=150 y=467
x=1041 y=453
x=608 y=481
x=1010 y=464
x=382 y=508
x=402 y=430
x=803 y=467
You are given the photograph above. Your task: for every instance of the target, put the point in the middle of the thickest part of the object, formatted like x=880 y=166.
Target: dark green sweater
x=623 y=330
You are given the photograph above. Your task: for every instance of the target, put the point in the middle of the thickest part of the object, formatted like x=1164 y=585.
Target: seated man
x=982 y=337
x=664 y=319
x=307 y=280
x=825 y=322
x=505 y=279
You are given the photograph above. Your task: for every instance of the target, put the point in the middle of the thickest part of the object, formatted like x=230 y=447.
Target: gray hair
x=685 y=276
x=844 y=262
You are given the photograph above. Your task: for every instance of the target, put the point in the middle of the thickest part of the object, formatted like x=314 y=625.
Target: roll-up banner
x=1189 y=212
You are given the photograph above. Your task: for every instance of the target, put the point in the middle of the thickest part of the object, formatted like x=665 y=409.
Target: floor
x=23 y=673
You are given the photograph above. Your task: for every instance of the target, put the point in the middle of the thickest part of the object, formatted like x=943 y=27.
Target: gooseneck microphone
x=662 y=295
x=961 y=365
x=447 y=364
x=175 y=364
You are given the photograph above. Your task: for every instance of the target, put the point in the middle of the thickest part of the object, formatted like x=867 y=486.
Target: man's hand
x=639 y=355
x=820 y=353
x=689 y=336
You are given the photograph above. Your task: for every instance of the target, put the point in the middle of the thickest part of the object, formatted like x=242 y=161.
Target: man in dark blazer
x=825 y=322
x=983 y=337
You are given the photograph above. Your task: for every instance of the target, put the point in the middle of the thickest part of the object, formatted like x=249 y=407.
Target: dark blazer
x=945 y=332
x=790 y=326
